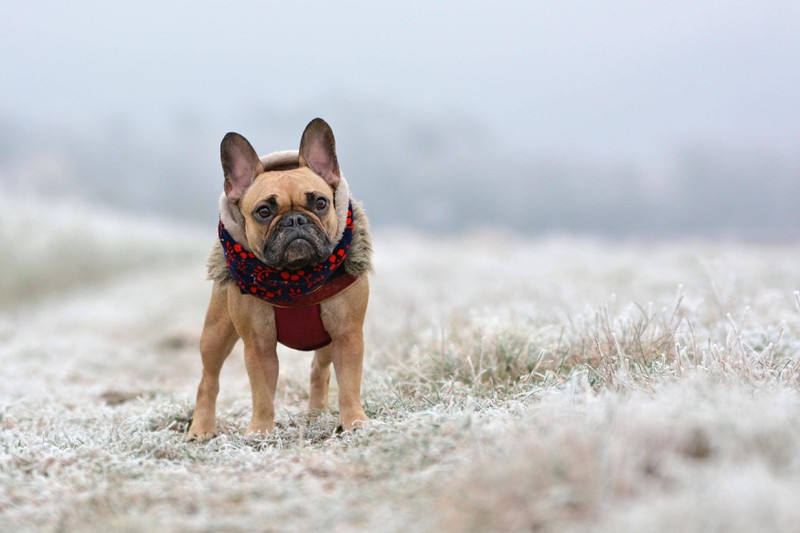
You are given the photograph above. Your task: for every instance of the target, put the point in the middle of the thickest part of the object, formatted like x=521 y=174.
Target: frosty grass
x=558 y=384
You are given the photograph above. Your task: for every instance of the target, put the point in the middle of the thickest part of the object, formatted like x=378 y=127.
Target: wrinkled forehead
x=286 y=186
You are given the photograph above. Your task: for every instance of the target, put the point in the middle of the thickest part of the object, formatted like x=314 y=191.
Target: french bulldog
x=290 y=220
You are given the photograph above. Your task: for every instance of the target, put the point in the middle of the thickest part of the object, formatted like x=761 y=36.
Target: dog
x=291 y=266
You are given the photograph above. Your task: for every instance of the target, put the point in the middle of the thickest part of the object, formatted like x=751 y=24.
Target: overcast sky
x=604 y=79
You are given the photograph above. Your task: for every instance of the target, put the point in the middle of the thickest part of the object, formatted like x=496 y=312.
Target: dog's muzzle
x=297 y=242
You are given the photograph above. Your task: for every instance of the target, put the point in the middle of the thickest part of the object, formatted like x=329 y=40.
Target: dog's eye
x=263 y=212
x=321 y=204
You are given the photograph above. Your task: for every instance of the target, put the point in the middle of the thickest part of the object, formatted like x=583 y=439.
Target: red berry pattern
x=281 y=286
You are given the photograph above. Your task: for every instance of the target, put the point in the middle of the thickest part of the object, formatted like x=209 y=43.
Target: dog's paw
x=258 y=430
x=200 y=432
x=353 y=420
x=314 y=414
x=195 y=436
x=318 y=407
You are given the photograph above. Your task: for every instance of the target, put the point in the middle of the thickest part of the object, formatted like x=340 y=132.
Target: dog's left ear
x=318 y=151
x=240 y=164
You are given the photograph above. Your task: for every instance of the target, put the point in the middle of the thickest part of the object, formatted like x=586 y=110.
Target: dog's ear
x=240 y=164
x=318 y=151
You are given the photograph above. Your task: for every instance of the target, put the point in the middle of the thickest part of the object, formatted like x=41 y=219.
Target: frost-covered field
x=514 y=385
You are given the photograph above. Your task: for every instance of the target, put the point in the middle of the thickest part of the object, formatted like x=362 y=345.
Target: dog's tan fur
x=232 y=315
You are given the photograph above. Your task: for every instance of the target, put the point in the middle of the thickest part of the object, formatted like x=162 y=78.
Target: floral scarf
x=283 y=287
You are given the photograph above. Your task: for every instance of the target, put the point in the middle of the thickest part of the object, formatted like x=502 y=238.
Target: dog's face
x=289 y=218
x=289 y=215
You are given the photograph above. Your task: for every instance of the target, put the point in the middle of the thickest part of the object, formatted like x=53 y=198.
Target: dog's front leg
x=343 y=317
x=262 y=366
x=255 y=322
x=320 y=379
x=216 y=344
x=348 y=357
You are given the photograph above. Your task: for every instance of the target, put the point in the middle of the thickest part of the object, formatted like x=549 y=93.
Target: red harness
x=296 y=295
x=300 y=326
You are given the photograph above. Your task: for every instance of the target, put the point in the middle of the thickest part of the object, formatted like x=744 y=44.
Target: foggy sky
x=610 y=80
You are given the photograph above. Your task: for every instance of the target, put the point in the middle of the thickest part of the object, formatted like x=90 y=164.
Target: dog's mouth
x=298 y=253
x=293 y=250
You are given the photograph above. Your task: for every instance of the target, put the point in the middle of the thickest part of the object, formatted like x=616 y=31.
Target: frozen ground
x=514 y=385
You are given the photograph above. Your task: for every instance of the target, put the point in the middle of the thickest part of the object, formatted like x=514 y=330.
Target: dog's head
x=289 y=215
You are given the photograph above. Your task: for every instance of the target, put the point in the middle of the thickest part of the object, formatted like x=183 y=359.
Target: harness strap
x=331 y=288
x=300 y=326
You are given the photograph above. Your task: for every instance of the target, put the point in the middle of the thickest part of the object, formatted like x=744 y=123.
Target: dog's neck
x=232 y=217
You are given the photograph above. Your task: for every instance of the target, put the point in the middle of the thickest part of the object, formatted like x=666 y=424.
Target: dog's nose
x=294 y=219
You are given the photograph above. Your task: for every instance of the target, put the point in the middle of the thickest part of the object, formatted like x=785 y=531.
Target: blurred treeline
x=438 y=172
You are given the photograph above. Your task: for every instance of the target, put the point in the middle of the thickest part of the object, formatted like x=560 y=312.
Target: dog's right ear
x=318 y=151
x=240 y=164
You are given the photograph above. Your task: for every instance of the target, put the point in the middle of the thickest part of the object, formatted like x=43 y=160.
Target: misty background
x=630 y=119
